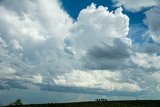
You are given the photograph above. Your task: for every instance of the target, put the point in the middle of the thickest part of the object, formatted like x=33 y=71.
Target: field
x=126 y=103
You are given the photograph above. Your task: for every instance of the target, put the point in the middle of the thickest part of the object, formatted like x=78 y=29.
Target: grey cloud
x=119 y=50
x=153 y=21
x=10 y=83
x=108 y=57
x=88 y=90
x=150 y=48
x=68 y=50
x=38 y=45
x=16 y=6
x=105 y=64
x=68 y=47
x=136 y=5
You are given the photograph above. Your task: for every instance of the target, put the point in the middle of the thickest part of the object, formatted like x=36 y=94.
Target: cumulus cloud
x=146 y=60
x=153 y=22
x=31 y=34
x=97 y=35
x=108 y=57
x=96 y=25
x=105 y=80
x=41 y=45
x=136 y=5
x=36 y=43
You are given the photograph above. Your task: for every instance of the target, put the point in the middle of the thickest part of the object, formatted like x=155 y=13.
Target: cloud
x=96 y=25
x=8 y=84
x=36 y=43
x=136 y=5
x=105 y=80
x=41 y=46
x=119 y=50
x=98 y=35
x=146 y=60
x=149 y=48
x=91 y=91
x=153 y=22
x=108 y=57
x=23 y=24
x=32 y=37
x=156 y=78
x=15 y=45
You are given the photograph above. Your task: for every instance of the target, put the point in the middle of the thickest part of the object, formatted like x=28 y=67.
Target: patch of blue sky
x=138 y=34
x=73 y=7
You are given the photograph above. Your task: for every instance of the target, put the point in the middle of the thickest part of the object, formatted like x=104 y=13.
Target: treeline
x=100 y=103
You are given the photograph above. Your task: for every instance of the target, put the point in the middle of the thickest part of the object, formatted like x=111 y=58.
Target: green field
x=130 y=103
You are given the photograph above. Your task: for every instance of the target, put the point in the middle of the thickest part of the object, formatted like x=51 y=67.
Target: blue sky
x=79 y=50
x=74 y=7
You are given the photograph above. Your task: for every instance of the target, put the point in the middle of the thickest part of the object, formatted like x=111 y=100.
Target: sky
x=79 y=50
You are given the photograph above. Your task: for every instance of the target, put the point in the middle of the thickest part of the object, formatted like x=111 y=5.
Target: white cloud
x=136 y=5
x=153 y=21
x=30 y=78
x=7 y=72
x=3 y=43
x=32 y=35
x=35 y=20
x=147 y=61
x=40 y=44
x=99 y=79
x=35 y=23
x=97 y=25
x=32 y=42
x=15 y=45
x=31 y=25
x=100 y=38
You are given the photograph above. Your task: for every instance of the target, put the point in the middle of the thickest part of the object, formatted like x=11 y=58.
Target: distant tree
x=17 y=102
x=101 y=100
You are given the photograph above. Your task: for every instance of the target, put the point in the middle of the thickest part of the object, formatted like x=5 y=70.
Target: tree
x=17 y=102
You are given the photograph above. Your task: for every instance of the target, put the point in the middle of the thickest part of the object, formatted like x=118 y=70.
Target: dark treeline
x=100 y=103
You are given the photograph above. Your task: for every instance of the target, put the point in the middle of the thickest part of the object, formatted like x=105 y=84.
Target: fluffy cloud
x=41 y=45
x=98 y=36
x=153 y=21
x=36 y=43
x=96 y=25
x=146 y=61
x=31 y=39
x=104 y=80
x=15 y=45
x=136 y=5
